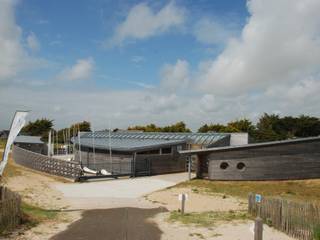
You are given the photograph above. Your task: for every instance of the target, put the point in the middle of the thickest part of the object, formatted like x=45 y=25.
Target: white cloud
x=280 y=43
x=142 y=22
x=33 y=42
x=14 y=59
x=80 y=71
x=12 y=53
x=175 y=77
x=208 y=31
x=208 y=103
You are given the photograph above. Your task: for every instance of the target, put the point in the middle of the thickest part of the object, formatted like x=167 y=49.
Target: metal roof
x=28 y=139
x=131 y=141
x=127 y=145
x=248 y=146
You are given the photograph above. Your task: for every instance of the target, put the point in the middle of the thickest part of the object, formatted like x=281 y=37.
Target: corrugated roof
x=124 y=144
x=131 y=141
x=248 y=146
x=28 y=139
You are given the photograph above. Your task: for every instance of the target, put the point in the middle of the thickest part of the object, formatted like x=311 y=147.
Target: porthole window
x=224 y=165
x=241 y=166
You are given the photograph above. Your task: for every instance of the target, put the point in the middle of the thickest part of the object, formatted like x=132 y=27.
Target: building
x=145 y=153
x=278 y=160
x=31 y=143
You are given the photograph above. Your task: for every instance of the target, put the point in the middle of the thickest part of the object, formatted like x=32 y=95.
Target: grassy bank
x=207 y=219
x=33 y=215
x=2 y=143
x=302 y=190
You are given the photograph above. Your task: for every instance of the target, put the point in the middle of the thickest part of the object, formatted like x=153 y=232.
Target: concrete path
x=116 y=193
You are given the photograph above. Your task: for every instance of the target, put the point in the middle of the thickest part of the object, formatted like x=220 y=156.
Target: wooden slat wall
x=278 y=162
x=299 y=220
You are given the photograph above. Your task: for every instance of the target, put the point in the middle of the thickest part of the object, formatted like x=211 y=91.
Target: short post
x=258 y=229
x=183 y=199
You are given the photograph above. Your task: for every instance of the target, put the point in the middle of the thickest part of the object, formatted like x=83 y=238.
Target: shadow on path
x=114 y=224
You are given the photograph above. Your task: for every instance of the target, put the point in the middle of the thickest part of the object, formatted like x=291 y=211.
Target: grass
x=316 y=232
x=302 y=190
x=207 y=219
x=33 y=215
x=11 y=170
x=2 y=143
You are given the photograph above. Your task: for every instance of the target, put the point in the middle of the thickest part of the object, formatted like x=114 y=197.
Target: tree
x=83 y=126
x=40 y=127
x=243 y=125
x=177 y=127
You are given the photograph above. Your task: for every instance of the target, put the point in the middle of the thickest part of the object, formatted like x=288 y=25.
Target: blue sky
x=136 y=62
x=68 y=35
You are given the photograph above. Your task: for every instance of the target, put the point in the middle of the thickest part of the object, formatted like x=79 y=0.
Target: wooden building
x=31 y=143
x=142 y=153
x=279 y=160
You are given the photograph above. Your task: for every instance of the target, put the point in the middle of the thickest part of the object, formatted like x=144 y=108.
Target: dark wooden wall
x=282 y=161
x=124 y=163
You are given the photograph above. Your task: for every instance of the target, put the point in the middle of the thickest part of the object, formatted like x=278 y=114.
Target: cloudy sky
x=131 y=62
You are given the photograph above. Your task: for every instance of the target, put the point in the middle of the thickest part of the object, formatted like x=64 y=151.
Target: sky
x=123 y=63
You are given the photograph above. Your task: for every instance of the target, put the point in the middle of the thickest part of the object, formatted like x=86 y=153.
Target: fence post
x=258 y=229
x=183 y=199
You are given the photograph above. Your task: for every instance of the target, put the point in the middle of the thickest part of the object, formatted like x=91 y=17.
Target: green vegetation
x=206 y=219
x=33 y=215
x=302 y=190
x=11 y=169
x=40 y=127
x=270 y=127
x=2 y=143
x=177 y=127
x=316 y=232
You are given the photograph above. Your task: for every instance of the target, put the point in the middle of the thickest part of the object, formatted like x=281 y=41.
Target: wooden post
x=258 y=229
x=183 y=199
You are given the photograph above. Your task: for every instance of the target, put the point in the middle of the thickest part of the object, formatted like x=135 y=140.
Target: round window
x=241 y=166
x=224 y=165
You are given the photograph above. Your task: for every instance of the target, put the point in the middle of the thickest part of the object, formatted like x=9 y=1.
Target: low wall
x=284 y=160
x=10 y=209
x=46 y=164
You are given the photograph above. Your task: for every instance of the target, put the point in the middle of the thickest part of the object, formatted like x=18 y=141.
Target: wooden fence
x=46 y=164
x=10 y=209
x=299 y=220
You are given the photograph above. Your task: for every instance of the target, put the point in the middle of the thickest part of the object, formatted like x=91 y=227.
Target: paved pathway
x=116 y=193
x=114 y=224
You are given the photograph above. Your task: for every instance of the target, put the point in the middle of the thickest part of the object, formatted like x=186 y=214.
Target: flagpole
x=110 y=151
x=93 y=149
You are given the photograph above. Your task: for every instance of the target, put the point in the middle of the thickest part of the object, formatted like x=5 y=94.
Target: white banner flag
x=17 y=124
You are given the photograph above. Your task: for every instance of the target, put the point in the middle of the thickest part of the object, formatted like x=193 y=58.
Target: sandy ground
x=52 y=193
x=237 y=230
x=196 y=202
x=38 y=189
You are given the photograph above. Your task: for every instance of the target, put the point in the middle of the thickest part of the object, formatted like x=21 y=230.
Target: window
x=224 y=165
x=241 y=166
x=179 y=147
x=150 y=152
x=166 y=150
